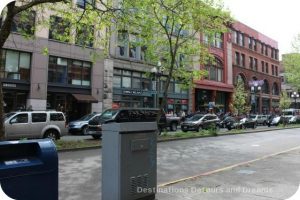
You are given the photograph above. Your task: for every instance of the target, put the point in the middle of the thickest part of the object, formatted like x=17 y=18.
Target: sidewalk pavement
x=274 y=177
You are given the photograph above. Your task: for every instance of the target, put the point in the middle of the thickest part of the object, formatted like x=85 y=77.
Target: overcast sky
x=278 y=19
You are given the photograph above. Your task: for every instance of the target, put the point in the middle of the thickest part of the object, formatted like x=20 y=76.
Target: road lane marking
x=226 y=168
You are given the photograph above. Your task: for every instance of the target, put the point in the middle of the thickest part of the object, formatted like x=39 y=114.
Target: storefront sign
x=170 y=101
x=256 y=83
x=132 y=92
x=184 y=101
x=9 y=85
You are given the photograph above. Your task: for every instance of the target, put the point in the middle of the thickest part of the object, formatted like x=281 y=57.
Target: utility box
x=29 y=169
x=129 y=156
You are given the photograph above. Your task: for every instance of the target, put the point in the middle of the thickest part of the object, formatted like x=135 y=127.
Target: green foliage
x=285 y=101
x=239 y=99
x=291 y=64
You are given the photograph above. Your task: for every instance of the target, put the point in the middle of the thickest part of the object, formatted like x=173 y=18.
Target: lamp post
x=295 y=95
x=156 y=71
x=254 y=89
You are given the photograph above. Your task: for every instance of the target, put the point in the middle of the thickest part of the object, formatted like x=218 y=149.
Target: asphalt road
x=80 y=171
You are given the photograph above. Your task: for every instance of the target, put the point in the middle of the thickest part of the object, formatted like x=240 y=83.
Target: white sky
x=277 y=19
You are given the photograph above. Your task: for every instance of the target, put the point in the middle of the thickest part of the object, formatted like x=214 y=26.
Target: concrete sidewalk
x=275 y=177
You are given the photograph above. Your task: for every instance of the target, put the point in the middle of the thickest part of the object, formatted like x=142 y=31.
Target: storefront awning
x=85 y=98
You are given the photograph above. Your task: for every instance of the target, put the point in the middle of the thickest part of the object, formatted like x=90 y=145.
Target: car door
x=17 y=127
x=38 y=122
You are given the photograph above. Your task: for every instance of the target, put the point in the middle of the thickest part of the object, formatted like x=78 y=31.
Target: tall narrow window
x=243 y=60
x=59 y=29
x=24 y=22
x=85 y=35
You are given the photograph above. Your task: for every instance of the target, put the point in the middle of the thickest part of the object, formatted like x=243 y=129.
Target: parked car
x=200 y=121
x=241 y=124
x=35 y=124
x=227 y=119
x=294 y=120
x=81 y=125
x=172 y=122
x=276 y=120
x=95 y=125
x=260 y=119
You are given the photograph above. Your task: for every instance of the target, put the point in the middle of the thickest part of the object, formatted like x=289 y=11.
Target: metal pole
x=158 y=91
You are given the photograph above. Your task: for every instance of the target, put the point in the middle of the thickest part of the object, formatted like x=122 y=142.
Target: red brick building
x=216 y=89
x=243 y=54
x=255 y=61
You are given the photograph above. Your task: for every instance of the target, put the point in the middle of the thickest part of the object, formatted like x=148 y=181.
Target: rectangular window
x=56 y=117
x=262 y=66
x=212 y=74
x=59 y=29
x=266 y=50
x=68 y=71
x=177 y=88
x=250 y=62
x=24 y=23
x=262 y=48
x=243 y=59
x=273 y=71
x=122 y=43
x=254 y=45
x=126 y=82
x=241 y=39
x=16 y=65
x=136 y=83
x=255 y=64
x=267 y=68
x=235 y=37
x=250 y=42
x=276 y=71
x=85 y=36
x=39 y=117
x=237 y=58
x=219 y=75
x=117 y=81
x=133 y=47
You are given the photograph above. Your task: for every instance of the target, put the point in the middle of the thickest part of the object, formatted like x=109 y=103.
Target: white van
x=35 y=124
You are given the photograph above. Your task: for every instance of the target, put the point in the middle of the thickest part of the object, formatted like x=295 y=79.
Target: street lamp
x=156 y=71
x=254 y=89
x=295 y=95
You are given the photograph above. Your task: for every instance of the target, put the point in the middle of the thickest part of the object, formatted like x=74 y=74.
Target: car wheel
x=173 y=127
x=84 y=130
x=52 y=134
x=199 y=128
x=96 y=137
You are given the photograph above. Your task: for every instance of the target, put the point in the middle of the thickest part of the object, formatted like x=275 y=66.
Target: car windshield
x=195 y=117
x=7 y=115
x=87 y=117
x=252 y=116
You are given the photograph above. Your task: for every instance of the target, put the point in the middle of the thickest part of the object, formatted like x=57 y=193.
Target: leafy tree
x=239 y=99
x=80 y=19
x=285 y=101
x=170 y=31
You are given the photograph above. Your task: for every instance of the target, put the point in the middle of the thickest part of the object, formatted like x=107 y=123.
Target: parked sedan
x=199 y=121
x=241 y=124
x=80 y=126
x=294 y=120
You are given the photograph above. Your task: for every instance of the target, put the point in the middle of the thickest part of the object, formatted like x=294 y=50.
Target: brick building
x=255 y=61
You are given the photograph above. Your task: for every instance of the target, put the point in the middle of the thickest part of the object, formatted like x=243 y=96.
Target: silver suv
x=35 y=124
x=260 y=119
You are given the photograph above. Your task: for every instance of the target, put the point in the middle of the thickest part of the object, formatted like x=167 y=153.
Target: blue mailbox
x=29 y=169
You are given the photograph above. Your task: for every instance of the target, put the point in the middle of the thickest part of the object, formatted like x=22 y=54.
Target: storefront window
x=117 y=81
x=136 y=83
x=16 y=65
x=66 y=71
x=126 y=82
x=177 y=88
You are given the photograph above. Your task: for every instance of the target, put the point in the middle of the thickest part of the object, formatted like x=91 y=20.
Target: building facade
x=255 y=61
x=214 y=91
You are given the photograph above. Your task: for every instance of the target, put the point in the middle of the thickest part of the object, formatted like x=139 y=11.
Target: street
x=80 y=171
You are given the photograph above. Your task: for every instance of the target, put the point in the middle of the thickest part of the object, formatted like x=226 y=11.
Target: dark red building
x=255 y=60
x=243 y=54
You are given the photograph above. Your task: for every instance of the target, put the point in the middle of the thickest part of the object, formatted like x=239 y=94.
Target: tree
x=291 y=63
x=80 y=19
x=170 y=32
x=239 y=99
x=285 y=101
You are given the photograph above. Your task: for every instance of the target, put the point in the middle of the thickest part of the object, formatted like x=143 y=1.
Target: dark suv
x=200 y=121
x=128 y=114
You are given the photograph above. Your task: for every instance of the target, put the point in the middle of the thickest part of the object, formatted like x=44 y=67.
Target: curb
x=188 y=138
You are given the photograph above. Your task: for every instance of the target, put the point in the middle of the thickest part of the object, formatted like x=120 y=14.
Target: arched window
x=275 y=89
x=265 y=87
x=215 y=71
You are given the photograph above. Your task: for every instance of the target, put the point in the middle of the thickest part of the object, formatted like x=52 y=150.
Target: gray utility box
x=129 y=161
